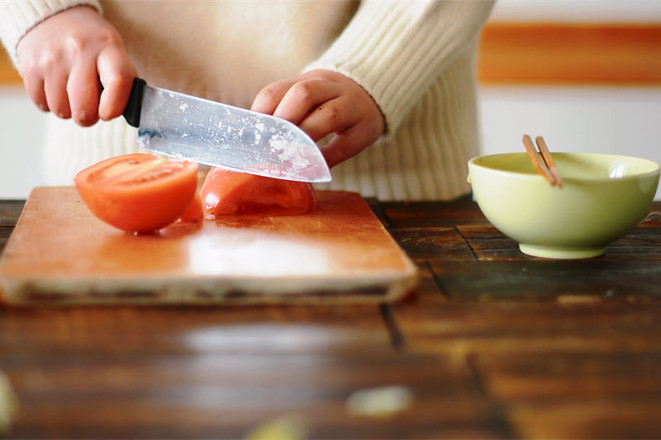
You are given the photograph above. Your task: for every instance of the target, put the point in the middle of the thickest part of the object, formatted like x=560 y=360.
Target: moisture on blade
x=216 y=134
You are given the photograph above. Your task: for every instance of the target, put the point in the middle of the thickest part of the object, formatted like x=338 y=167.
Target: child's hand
x=65 y=59
x=322 y=102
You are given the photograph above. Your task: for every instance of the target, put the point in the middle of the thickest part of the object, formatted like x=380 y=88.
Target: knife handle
x=132 y=111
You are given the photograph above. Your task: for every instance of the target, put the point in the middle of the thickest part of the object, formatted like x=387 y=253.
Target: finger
x=269 y=97
x=116 y=73
x=83 y=89
x=346 y=144
x=304 y=97
x=334 y=116
x=55 y=87
x=30 y=70
x=35 y=90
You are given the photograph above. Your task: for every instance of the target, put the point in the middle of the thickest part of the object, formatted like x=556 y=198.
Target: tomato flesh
x=138 y=192
x=193 y=213
x=226 y=192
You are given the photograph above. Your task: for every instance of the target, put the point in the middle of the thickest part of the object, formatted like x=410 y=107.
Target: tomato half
x=193 y=213
x=138 y=192
x=227 y=192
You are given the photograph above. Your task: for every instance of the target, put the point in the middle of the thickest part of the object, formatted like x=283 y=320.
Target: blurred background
x=585 y=74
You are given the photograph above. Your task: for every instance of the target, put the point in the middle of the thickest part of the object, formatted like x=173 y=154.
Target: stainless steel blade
x=216 y=134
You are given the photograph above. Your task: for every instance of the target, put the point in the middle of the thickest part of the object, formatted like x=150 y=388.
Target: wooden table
x=495 y=345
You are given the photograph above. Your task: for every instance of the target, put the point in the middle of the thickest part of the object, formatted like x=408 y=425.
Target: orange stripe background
x=7 y=73
x=577 y=54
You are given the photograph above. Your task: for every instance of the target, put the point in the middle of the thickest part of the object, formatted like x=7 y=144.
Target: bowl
x=603 y=197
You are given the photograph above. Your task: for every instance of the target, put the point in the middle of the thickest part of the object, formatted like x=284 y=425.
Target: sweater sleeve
x=19 y=16
x=396 y=49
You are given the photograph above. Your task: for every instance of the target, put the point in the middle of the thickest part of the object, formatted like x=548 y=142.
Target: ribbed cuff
x=396 y=49
x=17 y=17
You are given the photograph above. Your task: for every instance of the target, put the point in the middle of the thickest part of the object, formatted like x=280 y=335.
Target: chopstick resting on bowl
x=545 y=164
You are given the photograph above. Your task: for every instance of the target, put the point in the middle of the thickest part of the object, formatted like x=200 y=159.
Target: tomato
x=193 y=213
x=227 y=192
x=138 y=192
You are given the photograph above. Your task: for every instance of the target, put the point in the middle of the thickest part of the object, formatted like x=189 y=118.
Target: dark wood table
x=494 y=345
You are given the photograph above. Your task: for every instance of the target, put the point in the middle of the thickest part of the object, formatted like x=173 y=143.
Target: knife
x=211 y=133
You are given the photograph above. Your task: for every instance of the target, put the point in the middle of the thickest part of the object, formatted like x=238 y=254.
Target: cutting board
x=60 y=253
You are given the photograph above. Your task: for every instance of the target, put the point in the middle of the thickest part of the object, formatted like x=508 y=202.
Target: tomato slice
x=138 y=192
x=193 y=213
x=227 y=192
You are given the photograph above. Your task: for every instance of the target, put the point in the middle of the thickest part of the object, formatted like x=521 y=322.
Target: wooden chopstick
x=537 y=161
x=550 y=163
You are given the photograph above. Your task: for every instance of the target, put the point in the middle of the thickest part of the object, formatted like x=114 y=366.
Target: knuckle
x=37 y=61
x=266 y=95
x=118 y=80
x=332 y=112
x=77 y=44
x=125 y=76
x=303 y=92
x=50 y=59
x=109 y=37
x=27 y=66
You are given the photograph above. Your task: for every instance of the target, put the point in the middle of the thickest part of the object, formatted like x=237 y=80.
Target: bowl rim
x=652 y=173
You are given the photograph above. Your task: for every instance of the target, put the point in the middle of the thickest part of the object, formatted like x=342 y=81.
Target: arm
x=393 y=51
x=65 y=54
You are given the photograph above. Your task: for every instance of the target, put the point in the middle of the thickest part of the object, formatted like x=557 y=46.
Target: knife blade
x=216 y=134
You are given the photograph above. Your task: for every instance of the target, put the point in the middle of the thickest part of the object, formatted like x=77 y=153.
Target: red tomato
x=138 y=192
x=227 y=192
x=193 y=213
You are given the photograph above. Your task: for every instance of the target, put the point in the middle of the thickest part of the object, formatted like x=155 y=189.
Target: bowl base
x=561 y=253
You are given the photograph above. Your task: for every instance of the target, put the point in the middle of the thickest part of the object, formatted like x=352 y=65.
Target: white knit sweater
x=415 y=58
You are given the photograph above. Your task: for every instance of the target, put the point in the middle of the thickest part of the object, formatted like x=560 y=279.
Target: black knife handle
x=132 y=111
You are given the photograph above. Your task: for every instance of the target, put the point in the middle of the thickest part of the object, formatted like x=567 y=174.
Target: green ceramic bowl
x=603 y=197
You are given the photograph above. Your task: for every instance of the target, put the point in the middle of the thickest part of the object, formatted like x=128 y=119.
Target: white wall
x=630 y=11
x=597 y=120
x=21 y=131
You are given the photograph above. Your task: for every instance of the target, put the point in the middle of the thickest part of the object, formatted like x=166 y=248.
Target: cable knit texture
x=415 y=58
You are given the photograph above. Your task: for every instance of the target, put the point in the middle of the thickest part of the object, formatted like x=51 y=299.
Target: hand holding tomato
x=322 y=102
x=64 y=61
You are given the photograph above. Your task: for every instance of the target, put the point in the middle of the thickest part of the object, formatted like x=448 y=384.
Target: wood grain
x=218 y=373
x=496 y=345
x=340 y=252
x=593 y=394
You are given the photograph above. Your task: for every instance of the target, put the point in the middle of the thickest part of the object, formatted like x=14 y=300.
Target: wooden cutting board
x=59 y=253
